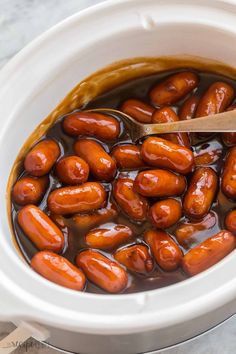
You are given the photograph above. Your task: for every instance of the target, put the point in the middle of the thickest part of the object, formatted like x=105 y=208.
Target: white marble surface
x=20 y=22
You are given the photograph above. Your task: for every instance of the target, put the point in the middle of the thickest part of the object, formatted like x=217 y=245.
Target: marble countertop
x=20 y=22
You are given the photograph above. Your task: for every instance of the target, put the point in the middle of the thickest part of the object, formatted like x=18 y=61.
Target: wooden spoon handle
x=221 y=122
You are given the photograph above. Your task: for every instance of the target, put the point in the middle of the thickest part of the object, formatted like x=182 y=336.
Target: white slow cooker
x=31 y=85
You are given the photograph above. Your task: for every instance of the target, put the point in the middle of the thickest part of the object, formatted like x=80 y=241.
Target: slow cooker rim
x=54 y=288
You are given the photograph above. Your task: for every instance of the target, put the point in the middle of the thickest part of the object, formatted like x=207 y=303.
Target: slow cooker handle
x=10 y=311
x=23 y=332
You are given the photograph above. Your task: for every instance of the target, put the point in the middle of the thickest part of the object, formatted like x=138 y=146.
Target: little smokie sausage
x=127 y=157
x=97 y=217
x=135 y=206
x=103 y=272
x=77 y=199
x=40 y=229
x=94 y=124
x=188 y=108
x=29 y=190
x=165 y=213
x=41 y=158
x=200 y=193
x=230 y=221
x=140 y=111
x=159 y=183
x=215 y=100
x=135 y=258
x=163 y=153
x=108 y=238
x=102 y=166
x=167 y=253
x=174 y=88
x=186 y=233
x=58 y=270
x=228 y=183
x=209 y=252
x=72 y=170
x=166 y=115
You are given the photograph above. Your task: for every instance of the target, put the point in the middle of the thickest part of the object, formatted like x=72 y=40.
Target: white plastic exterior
x=32 y=84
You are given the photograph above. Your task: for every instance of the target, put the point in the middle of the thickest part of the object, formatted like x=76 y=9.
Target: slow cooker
x=31 y=86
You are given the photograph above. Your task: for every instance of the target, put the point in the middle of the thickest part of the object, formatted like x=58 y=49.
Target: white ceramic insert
x=31 y=85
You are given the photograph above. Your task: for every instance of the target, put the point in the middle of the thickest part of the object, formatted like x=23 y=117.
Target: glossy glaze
x=105 y=273
x=40 y=229
x=134 y=205
x=74 y=227
x=161 y=153
x=173 y=88
x=165 y=213
x=200 y=193
x=208 y=252
x=29 y=190
x=72 y=170
x=98 y=125
x=159 y=183
x=135 y=258
x=108 y=238
x=40 y=160
x=166 y=252
x=101 y=165
x=70 y=200
x=58 y=270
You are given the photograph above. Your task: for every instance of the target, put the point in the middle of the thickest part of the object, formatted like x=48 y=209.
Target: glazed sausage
x=167 y=253
x=102 y=166
x=215 y=100
x=127 y=157
x=166 y=115
x=140 y=111
x=98 y=217
x=207 y=153
x=201 y=192
x=228 y=183
x=40 y=229
x=135 y=258
x=208 y=253
x=230 y=221
x=71 y=200
x=29 y=190
x=165 y=154
x=94 y=124
x=58 y=270
x=174 y=88
x=135 y=206
x=41 y=158
x=159 y=183
x=103 y=272
x=188 y=108
x=229 y=139
x=108 y=238
x=72 y=170
x=187 y=232
x=165 y=213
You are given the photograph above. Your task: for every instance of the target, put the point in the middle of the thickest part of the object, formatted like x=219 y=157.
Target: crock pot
x=31 y=85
